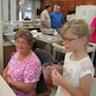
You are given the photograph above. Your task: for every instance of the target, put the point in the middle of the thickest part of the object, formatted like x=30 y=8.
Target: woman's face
x=22 y=45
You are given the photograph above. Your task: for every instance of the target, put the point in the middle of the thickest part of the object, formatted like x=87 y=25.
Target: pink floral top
x=93 y=36
x=28 y=72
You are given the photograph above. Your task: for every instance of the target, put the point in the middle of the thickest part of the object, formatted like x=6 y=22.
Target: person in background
x=93 y=37
x=93 y=31
x=45 y=18
x=26 y=18
x=57 y=18
x=24 y=68
x=78 y=68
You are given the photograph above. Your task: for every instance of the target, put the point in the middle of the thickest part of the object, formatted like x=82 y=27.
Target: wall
x=1 y=41
x=67 y=5
x=5 y=9
x=13 y=9
x=35 y=5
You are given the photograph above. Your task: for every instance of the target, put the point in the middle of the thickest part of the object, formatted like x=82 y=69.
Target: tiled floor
x=46 y=93
x=93 y=87
x=53 y=91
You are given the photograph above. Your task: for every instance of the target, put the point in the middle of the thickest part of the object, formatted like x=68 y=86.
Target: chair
x=45 y=57
x=59 y=48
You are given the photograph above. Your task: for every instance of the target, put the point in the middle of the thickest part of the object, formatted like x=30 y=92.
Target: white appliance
x=48 y=31
x=86 y=12
x=17 y=23
x=37 y=22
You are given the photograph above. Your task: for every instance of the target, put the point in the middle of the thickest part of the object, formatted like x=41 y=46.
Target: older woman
x=24 y=68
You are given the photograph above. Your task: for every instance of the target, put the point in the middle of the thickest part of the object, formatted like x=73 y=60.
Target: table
x=90 y=49
x=5 y=90
x=45 y=41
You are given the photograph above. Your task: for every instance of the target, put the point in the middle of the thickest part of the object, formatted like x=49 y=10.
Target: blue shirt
x=57 y=20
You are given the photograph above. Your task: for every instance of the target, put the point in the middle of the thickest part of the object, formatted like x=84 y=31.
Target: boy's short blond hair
x=79 y=27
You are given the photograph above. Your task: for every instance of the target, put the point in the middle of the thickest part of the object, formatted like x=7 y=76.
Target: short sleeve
x=87 y=68
x=32 y=71
x=43 y=15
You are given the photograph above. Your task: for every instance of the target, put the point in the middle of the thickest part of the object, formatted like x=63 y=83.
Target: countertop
x=29 y=28
x=41 y=37
x=8 y=43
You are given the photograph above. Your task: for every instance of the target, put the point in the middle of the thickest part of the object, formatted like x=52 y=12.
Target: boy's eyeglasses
x=68 y=40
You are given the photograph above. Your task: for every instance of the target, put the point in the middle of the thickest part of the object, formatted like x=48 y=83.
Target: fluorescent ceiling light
x=21 y=2
x=28 y=8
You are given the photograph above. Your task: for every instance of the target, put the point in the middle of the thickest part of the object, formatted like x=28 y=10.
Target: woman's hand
x=4 y=74
x=9 y=80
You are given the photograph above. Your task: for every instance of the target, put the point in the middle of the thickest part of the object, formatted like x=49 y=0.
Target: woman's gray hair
x=25 y=34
